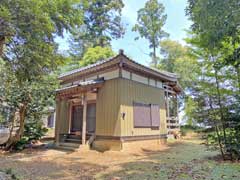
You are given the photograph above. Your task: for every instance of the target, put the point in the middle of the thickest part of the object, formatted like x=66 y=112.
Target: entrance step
x=65 y=148
x=73 y=136
x=73 y=140
x=68 y=144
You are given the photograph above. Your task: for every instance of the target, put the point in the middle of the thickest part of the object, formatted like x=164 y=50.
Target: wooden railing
x=173 y=124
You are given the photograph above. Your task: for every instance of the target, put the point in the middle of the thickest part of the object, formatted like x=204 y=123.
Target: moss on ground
x=186 y=160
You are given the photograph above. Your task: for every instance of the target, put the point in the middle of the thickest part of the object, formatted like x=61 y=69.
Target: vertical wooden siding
x=108 y=109
x=62 y=123
x=131 y=91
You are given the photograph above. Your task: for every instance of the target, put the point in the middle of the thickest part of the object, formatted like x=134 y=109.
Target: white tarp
x=4 y=135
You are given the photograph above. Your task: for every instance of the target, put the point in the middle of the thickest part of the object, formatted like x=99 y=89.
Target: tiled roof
x=86 y=67
x=99 y=63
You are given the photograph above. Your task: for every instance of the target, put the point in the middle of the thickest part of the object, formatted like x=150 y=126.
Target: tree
x=189 y=110
x=179 y=59
x=102 y=23
x=217 y=24
x=27 y=102
x=91 y=56
x=31 y=53
x=150 y=22
x=216 y=36
x=95 y=54
x=170 y=51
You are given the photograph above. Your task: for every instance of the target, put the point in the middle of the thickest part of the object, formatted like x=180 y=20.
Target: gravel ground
x=4 y=176
x=182 y=159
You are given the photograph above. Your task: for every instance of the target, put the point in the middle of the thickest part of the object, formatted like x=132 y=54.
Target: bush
x=189 y=129
x=33 y=131
x=229 y=145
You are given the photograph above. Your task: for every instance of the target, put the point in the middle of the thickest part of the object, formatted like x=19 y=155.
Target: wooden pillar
x=167 y=105
x=84 y=123
x=70 y=116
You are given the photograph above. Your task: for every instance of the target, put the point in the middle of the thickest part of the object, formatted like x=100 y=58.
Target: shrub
x=33 y=131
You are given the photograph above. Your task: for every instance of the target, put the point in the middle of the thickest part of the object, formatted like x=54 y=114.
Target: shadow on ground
x=184 y=159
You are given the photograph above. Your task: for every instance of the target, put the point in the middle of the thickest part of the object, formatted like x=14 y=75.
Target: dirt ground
x=182 y=159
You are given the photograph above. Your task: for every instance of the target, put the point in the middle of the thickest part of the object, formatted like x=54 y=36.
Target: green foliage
x=180 y=60
x=13 y=175
x=31 y=55
x=102 y=23
x=231 y=147
x=171 y=51
x=215 y=37
x=102 y=20
x=150 y=22
x=32 y=131
x=34 y=25
x=95 y=54
x=214 y=20
x=190 y=106
x=190 y=129
x=38 y=94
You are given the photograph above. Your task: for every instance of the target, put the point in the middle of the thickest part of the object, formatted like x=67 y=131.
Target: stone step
x=73 y=140
x=65 y=148
x=73 y=136
x=77 y=137
x=69 y=144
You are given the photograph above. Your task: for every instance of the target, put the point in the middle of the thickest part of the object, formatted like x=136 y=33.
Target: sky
x=176 y=24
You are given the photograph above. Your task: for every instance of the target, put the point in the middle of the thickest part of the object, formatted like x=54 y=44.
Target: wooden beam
x=77 y=90
x=84 y=120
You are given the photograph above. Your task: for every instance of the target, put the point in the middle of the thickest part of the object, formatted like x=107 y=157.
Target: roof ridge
x=121 y=53
x=86 y=67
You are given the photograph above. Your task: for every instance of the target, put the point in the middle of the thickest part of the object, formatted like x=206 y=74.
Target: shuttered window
x=155 y=116
x=146 y=115
x=141 y=115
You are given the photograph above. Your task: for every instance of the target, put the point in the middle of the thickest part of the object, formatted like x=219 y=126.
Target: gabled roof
x=121 y=60
x=84 y=68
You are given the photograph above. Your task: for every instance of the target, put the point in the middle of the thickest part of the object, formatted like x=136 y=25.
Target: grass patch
x=186 y=160
x=10 y=173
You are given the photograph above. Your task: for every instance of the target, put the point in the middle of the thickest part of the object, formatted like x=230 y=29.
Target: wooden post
x=168 y=114
x=84 y=123
x=70 y=117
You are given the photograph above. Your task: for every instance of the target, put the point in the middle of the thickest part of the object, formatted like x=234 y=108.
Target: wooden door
x=77 y=118
x=91 y=118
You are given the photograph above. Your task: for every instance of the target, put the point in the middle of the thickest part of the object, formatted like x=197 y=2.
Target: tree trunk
x=2 y=41
x=221 y=107
x=219 y=141
x=154 y=56
x=217 y=131
x=13 y=139
x=238 y=76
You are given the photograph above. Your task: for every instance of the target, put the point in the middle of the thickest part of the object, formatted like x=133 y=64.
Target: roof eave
x=125 y=60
